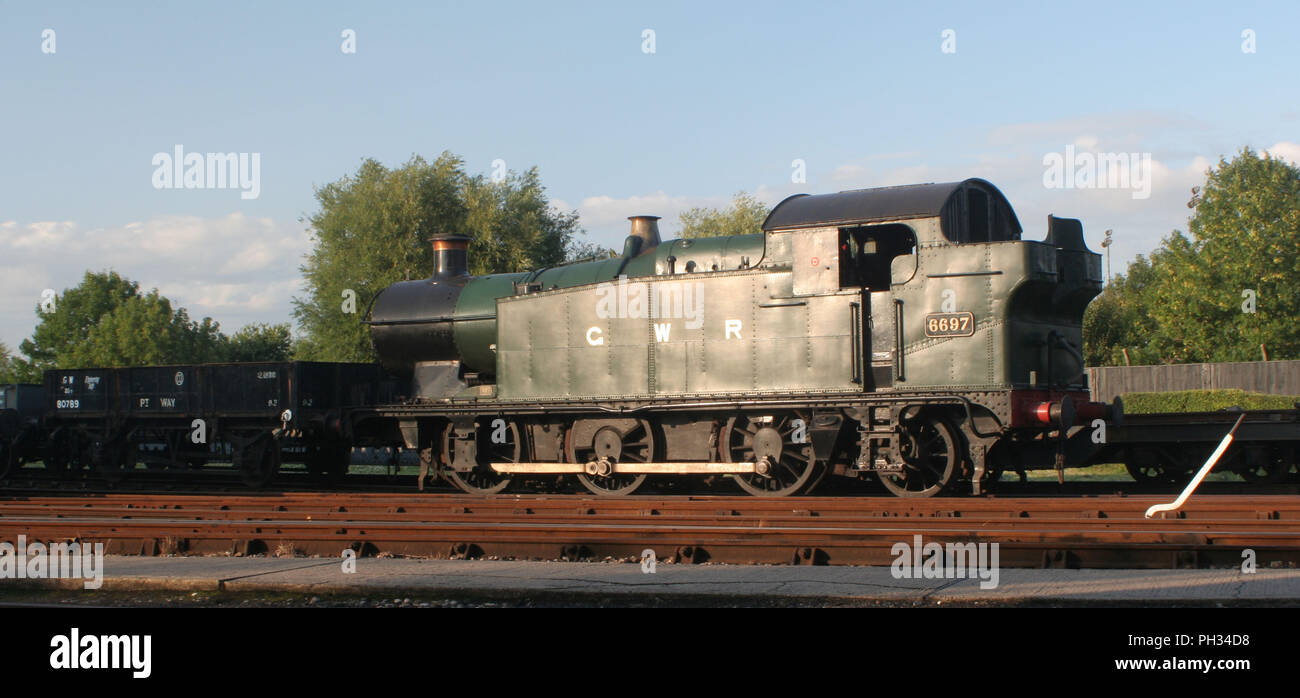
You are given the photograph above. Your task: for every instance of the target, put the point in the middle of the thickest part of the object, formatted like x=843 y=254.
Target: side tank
x=434 y=331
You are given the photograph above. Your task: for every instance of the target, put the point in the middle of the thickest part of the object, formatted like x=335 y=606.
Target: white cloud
x=236 y=269
x=1012 y=158
x=605 y=217
x=42 y=236
x=1287 y=151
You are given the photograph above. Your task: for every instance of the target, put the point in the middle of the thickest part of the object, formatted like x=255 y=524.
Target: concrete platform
x=590 y=582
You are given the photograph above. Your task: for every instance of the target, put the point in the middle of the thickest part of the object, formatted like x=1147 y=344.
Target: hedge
x=1205 y=401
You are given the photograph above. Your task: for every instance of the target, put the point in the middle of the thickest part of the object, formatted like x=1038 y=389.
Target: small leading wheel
x=819 y=474
x=928 y=448
x=621 y=441
x=497 y=441
x=778 y=445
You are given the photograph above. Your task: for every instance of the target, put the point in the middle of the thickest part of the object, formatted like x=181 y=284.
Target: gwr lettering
x=663 y=332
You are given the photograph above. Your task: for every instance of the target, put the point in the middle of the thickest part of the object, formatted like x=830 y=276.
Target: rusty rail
x=1031 y=531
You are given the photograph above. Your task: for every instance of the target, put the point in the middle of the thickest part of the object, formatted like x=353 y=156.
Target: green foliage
x=260 y=342
x=76 y=312
x=145 y=331
x=512 y=225
x=1185 y=304
x=1205 y=401
x=106 y=322
x=372 y=229
x=1118 y=319
x=745 y=216
x=12 y=369
x=584 y=251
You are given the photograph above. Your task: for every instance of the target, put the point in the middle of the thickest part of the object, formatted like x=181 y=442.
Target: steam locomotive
x=906 y=334
x=903 y=333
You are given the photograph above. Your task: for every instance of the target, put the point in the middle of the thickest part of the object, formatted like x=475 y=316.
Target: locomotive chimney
x=450 y=256
x=647 y=229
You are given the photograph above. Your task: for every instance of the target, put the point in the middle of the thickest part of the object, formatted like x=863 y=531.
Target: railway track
x=32 y=483
x=1088 y=531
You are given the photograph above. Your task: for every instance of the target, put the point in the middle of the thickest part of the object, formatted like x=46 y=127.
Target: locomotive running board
x=684 y=468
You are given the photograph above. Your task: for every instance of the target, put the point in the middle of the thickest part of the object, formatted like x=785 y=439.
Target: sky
x=624 y=108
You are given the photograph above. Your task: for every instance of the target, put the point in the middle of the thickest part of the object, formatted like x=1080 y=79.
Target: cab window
x=868 y=251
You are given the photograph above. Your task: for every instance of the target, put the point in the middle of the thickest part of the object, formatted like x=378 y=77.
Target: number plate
x=949 y=324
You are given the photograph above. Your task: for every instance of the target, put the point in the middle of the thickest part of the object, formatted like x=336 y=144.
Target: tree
x=372 y=229
x=745 y=216
x=585 y=251
x=1244 y=242
x=260 y=342
x=1192 y=301
x=512 y=225
x=61 y=328
x=11 y=368
x=145 y=331
x=1118 y=320
x=106 y=322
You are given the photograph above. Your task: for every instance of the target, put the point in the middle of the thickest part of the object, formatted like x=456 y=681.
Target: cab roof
x=948 y=199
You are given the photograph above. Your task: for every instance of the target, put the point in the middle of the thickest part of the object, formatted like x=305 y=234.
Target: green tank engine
x=906 y=333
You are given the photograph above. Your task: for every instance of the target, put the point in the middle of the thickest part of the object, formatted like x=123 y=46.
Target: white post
x=1205 y=470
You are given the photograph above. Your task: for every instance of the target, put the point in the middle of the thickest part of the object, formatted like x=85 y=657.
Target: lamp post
x=1106 y=244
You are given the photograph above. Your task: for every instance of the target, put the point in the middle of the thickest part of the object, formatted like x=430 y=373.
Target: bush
x=1205 y=401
